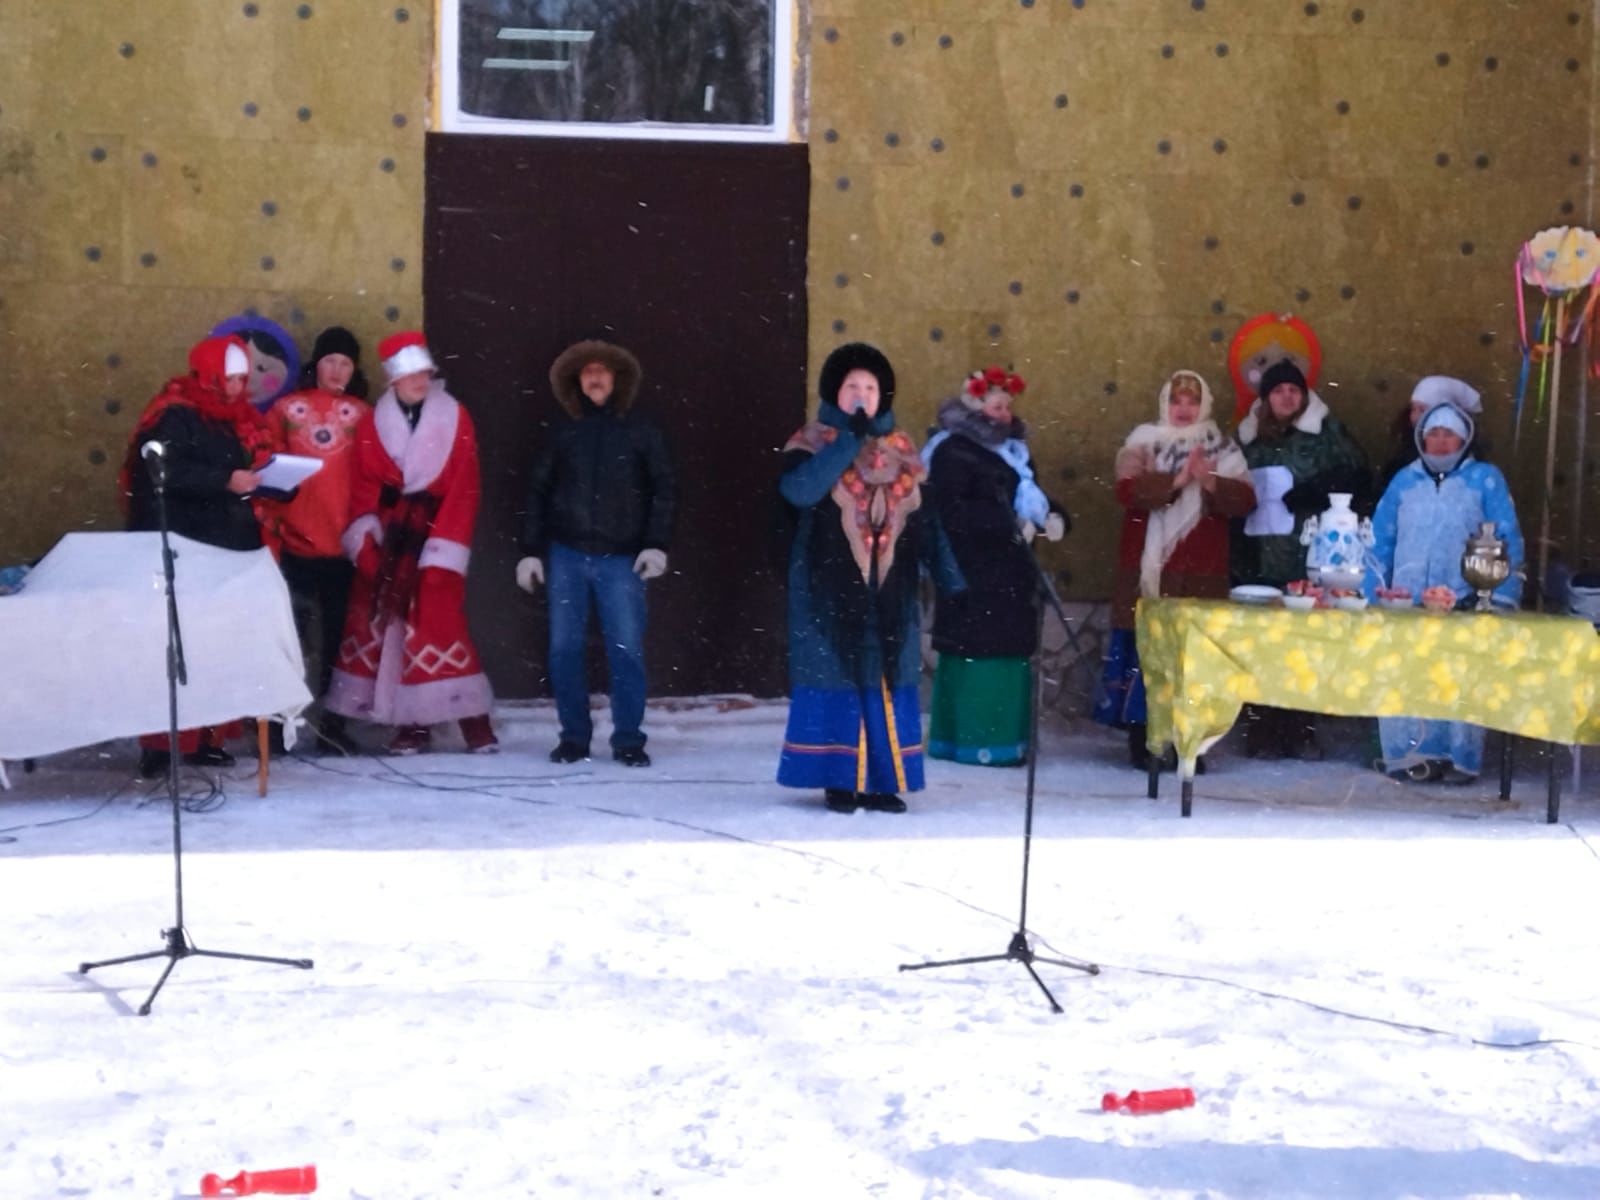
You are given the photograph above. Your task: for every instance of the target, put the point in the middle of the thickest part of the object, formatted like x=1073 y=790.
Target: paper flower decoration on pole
x=1561 y=262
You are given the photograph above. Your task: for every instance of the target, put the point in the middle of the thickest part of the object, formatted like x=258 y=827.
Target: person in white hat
x=407 y=658
x=1420 y=531
x=1431 y=390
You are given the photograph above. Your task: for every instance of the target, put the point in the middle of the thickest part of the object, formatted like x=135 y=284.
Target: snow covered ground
x=682 y=982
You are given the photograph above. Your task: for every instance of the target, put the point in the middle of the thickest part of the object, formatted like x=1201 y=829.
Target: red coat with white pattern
x=407 y=657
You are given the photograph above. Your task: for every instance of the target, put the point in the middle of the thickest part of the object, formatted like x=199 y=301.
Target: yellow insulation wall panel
x=166 y=165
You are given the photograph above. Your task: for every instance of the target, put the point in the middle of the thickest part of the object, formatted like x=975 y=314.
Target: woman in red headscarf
x=213 y=442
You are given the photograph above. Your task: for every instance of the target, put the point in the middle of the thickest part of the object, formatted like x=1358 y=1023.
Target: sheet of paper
x=285 y=472
x=1271 y=515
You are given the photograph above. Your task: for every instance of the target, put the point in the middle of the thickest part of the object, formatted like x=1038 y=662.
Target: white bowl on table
x=1255 y=593
x=1349 y=603
x=1344 y=579
x=1300 y=603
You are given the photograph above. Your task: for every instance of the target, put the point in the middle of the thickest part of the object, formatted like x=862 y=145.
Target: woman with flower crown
x=990 y=507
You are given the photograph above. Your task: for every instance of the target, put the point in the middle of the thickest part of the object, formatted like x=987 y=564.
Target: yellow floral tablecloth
x=1523 y=673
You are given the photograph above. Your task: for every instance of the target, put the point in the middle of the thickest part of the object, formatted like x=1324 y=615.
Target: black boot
x=883 y=802
x=331 y=735
x=1295 y=735
x=569 y=752
x=209 y=756
x=1260 y=732
x=841 y=801
x=153 y=764
x=1306 y=744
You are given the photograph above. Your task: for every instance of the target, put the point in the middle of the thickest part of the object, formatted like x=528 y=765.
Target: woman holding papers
x=1299 y=454
x=211 y=443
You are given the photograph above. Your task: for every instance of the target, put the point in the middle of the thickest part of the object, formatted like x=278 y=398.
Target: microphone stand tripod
x=179 y=945
x=1018 y=950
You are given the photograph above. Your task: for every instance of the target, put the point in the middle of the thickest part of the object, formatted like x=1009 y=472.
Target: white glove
x=530 y=571
x=650 y=563
x=1029 y=531
x=1054 y=527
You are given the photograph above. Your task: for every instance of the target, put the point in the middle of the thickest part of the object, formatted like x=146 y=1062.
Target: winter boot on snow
x=479 y=735
x=1260 y=729
x=410 y=739
x=1302 y=742
x=841 y=801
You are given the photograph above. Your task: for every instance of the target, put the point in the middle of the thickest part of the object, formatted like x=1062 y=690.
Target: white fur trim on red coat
x=358 y=532
x=442 y=552
x=423 y=452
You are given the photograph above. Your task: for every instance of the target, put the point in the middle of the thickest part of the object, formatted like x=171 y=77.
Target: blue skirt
x=844 y=738
x=1121 y=699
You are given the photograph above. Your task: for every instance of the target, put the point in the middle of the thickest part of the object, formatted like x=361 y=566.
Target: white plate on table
x=1255 y=593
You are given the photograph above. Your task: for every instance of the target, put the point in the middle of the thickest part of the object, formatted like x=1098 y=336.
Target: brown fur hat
x=571 y=362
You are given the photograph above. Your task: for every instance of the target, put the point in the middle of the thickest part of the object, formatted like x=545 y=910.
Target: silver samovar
x=1484 y=565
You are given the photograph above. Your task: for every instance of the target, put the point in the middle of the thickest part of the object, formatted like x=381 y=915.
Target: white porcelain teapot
x=1336 y=544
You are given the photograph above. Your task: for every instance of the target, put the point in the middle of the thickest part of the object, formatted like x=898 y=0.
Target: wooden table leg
x=1153 y=789
x=262 y=751
x=1505 y=766
x=1186 y=798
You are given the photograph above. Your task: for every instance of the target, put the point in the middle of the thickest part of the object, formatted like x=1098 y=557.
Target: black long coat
x=995 y=617
x=201 y=456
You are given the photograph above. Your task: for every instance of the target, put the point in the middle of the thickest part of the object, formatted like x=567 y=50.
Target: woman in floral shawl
x=1180 y=480
x=854 y=485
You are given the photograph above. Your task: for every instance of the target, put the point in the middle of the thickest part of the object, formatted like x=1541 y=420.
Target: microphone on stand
x=155 y=461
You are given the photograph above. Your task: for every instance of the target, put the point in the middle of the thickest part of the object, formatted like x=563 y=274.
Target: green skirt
x=980 y=711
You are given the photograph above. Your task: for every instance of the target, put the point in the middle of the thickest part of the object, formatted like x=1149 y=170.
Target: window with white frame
x=712 y=70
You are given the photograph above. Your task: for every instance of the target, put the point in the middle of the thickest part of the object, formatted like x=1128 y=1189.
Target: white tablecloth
x=83 y=645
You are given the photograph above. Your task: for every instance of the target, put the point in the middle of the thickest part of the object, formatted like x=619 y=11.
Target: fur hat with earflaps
x=570 y=363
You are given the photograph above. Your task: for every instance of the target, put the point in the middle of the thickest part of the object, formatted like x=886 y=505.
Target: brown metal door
x=692 y=256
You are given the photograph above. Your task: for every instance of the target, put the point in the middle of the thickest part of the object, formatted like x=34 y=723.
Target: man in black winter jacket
x=598 y=516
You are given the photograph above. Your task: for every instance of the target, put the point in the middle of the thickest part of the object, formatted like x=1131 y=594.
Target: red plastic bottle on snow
x=289 y=1181
x=1161 y=1100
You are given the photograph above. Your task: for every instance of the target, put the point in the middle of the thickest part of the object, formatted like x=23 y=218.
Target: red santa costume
x=406 y=657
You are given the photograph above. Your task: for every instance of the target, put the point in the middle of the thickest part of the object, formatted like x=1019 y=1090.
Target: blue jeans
x=572 y=578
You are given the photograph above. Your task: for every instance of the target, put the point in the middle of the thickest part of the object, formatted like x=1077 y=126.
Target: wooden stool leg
x=262 y=751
